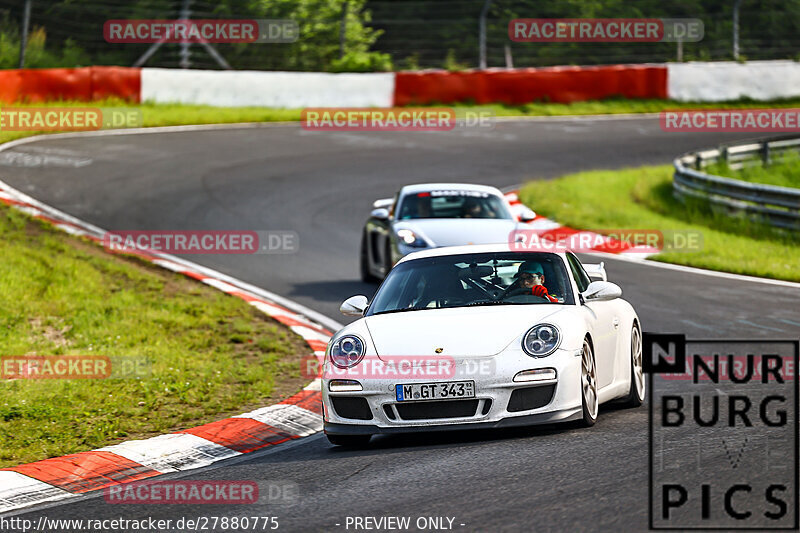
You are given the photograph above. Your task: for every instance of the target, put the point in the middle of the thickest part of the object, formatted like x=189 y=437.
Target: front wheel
x=349 y=441
x=589 y=399
x=635 y=396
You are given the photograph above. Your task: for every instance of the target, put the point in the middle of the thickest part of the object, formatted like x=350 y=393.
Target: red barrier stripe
x=85 y=471
x=520 y=86
x=116 y=82
x=240 y=434
x=84 y=84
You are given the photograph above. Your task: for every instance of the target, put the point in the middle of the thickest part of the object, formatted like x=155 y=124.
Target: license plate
x=435 y=391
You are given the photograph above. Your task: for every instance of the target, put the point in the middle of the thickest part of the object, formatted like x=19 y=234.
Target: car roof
x=472 y=249
x=423 y=187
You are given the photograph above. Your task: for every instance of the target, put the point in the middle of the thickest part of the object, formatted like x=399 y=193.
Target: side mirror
x=526 y=215
x=354 y=306
x=380 y=213
x=601 y=291
x=382 y=203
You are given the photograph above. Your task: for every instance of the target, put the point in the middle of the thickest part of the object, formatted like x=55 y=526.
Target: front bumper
x=375 y=408
x=525 y=420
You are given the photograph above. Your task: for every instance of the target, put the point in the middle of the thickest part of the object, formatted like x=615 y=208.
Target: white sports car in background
x=481 y=336
x=430 y=215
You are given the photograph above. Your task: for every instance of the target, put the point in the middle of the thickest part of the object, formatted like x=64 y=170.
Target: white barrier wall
x=228 y=88
x=728 y=80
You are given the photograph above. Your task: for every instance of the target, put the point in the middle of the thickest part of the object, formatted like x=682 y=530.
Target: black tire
x=637 y=389
x=349 y=441
x=366 y=275
x=588 y=383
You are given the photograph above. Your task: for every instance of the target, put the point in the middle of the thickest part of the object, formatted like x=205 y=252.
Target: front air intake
x=354 y=407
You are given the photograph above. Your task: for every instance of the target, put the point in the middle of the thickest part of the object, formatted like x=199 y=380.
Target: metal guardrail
x=777 y=206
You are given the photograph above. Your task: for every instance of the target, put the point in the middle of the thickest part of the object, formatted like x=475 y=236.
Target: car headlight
x=411 y=239
x=541 y=340
x=347 y=351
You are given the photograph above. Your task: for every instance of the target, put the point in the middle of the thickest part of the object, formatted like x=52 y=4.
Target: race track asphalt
x=321 y=185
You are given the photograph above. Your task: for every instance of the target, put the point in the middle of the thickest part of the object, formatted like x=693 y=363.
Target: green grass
x=182 y=114
x=172 y=114
x=784 y=172
x=641 y=198
x=209 y=355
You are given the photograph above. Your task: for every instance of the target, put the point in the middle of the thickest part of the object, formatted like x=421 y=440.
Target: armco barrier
x=83 y=84
x=777 y=206
x=520 y=86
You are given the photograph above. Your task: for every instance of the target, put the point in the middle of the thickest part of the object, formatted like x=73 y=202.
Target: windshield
x=452 y=204
x=501 y=278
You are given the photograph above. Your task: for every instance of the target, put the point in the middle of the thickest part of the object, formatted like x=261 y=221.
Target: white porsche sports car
x=429 y=215
x=481 y=336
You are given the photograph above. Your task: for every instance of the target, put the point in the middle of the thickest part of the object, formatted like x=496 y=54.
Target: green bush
x=362 y=62
x=36 y=55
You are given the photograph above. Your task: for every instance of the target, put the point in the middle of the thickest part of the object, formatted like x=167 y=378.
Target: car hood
x=460 y=231
x=461 y=331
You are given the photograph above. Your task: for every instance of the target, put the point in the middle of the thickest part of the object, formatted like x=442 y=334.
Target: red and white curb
x=296 y=417
x=550 y=231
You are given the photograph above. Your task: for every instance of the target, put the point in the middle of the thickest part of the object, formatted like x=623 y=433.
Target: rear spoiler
x=596 y=271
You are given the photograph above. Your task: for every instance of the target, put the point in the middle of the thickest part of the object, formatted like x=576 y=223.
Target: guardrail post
x=765 y=152
x=698 y=162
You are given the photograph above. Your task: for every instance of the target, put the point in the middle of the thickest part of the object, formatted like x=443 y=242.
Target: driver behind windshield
x=472 y=208
x=529 y=279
